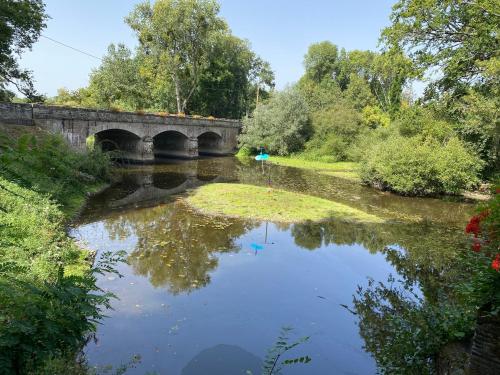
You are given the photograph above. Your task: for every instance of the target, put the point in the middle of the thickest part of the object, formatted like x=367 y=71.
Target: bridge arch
x=171 y=143
x=210 y=143
x=126 y=143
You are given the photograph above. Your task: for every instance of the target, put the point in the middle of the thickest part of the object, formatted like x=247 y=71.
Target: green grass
x=343 y=169
x=261 y=203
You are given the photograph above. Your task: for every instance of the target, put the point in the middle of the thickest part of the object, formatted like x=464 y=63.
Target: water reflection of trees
x=422 y=253
x=176 y=248
x=401 y=321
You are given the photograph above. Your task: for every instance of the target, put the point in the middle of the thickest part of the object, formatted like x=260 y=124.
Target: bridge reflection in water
x=149 y=186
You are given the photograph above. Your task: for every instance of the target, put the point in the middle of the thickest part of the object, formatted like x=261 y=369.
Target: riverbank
x=350 y=171
x=343 y=169
x=47 y=285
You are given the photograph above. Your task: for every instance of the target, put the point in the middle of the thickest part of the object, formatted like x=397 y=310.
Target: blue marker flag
x=256 y=246
x=262 y=157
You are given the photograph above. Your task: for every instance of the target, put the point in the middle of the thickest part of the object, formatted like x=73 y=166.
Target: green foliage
x=405 y=332
x=319 y=95
x=335 y=129
x=358 y=93
x=272 y=364
x=281 y=125
x=50 y=299
x=117 y=82
x=47 y=165
x=321 y=61
x=458 y=37
x=230 y=80
x=475 y=118
x=175 y=37
x=21 y=24
x=416 y=120
x=187 y=61
x=373 y=117
x=483 y=288
x=420 y=166
x=78 y=98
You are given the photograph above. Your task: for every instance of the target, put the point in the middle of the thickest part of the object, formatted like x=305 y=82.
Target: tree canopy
x=176 y=36
x=460 y=38
x=21 y=23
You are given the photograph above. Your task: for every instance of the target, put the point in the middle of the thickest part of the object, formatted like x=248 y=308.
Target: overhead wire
x=68 y=46
x=98 y=58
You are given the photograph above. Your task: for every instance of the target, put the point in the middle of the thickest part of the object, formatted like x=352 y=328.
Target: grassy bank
x=47 y=288
x=261 y=203
x=344 y=169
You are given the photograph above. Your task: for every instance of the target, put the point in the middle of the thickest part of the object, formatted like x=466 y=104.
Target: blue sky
x=279 y=31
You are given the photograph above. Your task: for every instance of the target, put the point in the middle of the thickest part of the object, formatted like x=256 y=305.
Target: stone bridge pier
x=134 y=136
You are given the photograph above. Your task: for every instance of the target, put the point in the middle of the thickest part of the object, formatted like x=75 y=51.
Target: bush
x=46 y=164
x=418 y=166
x=335 y=129
x=281 y=125
x=49 y=299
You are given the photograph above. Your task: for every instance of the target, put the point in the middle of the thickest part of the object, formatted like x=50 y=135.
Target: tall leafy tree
x=117 y=82
x=321 y=61
x=262 y=77
x=281 y=125
x=455 y=36
x=176 y=36
x=21 y=23
x=224 y=83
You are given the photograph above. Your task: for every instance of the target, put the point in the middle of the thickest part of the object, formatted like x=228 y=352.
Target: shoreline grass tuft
x=262 y=203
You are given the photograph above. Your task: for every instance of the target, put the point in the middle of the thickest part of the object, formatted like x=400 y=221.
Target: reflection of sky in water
x=197 y=288
x=248 y=299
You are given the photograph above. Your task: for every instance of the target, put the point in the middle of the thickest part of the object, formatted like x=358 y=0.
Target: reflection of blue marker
x=262 y=157
x=256 y=247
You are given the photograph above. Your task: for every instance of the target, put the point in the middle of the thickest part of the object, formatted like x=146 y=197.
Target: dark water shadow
x=223 y=360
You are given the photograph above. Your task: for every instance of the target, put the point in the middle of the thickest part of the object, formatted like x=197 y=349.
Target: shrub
x=332 y=148
x=418 y=166
x=282 y=124
x=335 y=129
x=374 y=117
x=46 y=164
x=48 y=292
x=244 y=152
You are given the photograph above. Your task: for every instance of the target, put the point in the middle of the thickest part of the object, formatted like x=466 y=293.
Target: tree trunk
x=177 y=94
x=257 y=99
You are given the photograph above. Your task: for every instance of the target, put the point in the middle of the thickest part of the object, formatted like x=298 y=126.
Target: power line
x=73 y=48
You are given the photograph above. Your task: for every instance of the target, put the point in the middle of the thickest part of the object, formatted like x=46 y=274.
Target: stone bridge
x=138 y=137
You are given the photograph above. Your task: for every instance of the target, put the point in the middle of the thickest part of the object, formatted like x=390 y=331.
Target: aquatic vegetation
x=277 y=205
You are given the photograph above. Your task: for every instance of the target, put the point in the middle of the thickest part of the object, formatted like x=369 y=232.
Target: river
x=209 y=295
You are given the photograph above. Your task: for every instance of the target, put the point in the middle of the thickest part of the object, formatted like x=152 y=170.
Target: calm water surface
x=196 y=297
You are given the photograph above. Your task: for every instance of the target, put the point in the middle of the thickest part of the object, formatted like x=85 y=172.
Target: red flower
x=495 y=264
x=476 y=246
x=473 y=225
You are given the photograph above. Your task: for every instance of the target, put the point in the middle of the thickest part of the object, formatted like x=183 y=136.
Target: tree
x=228 y=81
x=455 y=36
x=175 y=36
x=21 y=23
x=281 y=125
x=117 y=81
x=321 y=61
x=390 y=72
x=262 y=75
